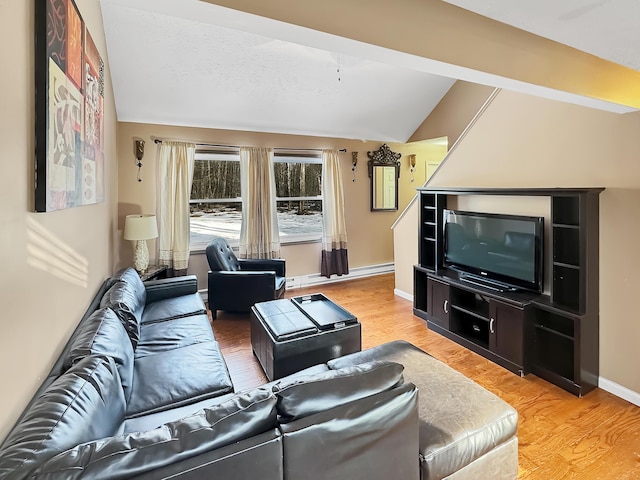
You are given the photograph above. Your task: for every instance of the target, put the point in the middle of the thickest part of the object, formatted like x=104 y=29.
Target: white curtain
x=259 y=236
x=175 y=174
x=334 y=228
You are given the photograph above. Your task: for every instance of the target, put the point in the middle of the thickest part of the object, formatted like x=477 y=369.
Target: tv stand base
x=490 y=284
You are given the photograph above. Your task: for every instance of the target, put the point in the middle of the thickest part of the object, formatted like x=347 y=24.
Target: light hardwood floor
x=560 y=436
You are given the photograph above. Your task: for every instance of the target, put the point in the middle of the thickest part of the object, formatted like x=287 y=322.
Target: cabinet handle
x=445 y=307
x=491 y=325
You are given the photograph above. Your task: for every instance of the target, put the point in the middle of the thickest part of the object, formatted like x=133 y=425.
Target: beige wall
x=448 y=120
x=405 y=232
x=370 y=240
x=42 y=304
x=454 y=112
x=522 y=141
x=405 y=240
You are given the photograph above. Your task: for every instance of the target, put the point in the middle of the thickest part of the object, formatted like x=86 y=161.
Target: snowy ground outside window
x=227 y=224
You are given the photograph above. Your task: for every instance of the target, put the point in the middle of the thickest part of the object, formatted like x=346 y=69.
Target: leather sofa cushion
x=126 y=456
x=103 y=334
x=306 y=395
x=178 y=377
x=180 y=332
x=154 y=420
x=313 y=370
x=84 y=404
x=129 y=276
x=459 y=420
x=174 y=307
x=128 y=303
x=375 y=437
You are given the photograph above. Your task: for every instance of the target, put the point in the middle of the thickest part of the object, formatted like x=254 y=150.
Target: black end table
x=154 y=272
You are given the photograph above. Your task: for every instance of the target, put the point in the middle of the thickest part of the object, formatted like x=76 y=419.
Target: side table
x=154 y=272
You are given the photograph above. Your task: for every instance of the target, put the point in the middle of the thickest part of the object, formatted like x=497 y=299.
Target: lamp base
x=141 y=256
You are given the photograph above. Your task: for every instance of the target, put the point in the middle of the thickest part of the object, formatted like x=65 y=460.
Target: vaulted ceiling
x=193 y=63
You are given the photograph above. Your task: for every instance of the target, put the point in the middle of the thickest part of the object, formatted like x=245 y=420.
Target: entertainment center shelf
x=554 y=336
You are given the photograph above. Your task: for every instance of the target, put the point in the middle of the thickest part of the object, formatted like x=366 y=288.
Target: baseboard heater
x=357 y=272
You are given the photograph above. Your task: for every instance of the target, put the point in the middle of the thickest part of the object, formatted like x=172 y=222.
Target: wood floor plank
x=560 y=436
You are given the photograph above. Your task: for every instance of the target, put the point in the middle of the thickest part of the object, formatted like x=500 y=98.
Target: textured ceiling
x=169 y=68
x=190 y=63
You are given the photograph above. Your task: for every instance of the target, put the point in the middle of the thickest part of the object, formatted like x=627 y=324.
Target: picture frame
x=69 y=109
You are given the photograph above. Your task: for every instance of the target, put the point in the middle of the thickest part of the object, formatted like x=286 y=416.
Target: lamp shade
x=140 y=227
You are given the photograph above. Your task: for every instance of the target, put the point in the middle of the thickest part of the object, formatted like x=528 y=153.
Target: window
x=216 y=203
x=298 y=196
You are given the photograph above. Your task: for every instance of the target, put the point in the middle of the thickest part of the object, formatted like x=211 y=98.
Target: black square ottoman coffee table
x=290 y=335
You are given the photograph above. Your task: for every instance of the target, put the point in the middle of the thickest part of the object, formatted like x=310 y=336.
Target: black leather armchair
x=235 y=285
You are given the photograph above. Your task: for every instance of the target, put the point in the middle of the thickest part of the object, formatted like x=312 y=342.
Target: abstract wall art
x=69 y=153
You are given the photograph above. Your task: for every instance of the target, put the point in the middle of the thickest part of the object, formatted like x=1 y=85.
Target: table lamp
x=140 y=228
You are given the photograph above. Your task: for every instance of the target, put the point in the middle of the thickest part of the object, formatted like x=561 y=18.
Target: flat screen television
x=500 y=251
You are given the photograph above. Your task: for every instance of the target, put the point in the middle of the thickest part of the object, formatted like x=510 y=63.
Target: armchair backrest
x=220 y=256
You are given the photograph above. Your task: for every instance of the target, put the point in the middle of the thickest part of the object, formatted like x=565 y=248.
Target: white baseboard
x=358 y=272
x=619 y=391
x=402 y=294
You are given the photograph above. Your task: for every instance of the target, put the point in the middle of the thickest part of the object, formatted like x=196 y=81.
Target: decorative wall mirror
x=384 y=171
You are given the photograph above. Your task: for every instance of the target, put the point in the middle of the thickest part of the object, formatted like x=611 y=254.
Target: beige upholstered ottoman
x=466 y=432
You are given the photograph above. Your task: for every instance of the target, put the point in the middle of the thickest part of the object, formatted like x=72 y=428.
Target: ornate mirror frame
x=384 y=171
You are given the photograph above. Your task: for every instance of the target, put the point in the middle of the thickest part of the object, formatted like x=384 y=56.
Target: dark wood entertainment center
x=554 y=336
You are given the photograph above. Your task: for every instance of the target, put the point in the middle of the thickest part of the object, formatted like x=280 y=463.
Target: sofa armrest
x=170 y=287
x=277 y=265
x=129 y=455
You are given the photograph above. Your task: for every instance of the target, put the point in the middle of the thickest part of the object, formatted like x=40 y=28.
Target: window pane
x=213 y=182
x=215 y=219
x=216 y=207
x=295 y=179
x=302 y=217
x=215 y=179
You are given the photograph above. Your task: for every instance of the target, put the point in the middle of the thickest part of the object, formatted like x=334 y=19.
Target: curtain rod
x=201 y=144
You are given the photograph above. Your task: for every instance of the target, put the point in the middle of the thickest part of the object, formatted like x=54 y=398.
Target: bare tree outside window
x=216 y=204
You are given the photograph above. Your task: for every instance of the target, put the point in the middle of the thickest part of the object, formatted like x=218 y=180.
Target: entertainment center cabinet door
x=506 y=327
x=438 y=294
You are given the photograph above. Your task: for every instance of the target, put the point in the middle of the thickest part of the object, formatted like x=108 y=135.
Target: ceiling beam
x=441 y=32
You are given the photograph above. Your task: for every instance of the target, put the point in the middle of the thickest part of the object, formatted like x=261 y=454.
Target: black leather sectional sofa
x=142 y=391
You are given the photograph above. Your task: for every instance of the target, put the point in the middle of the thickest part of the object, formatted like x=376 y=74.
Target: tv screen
x=506 y=249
